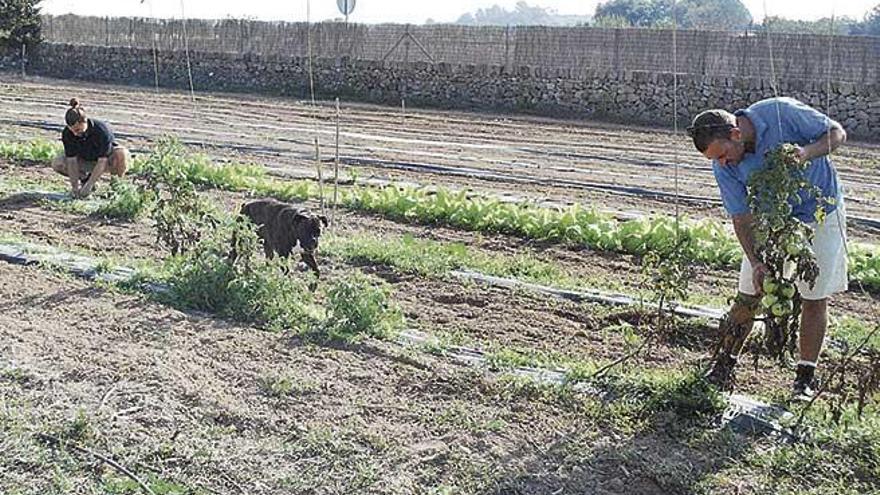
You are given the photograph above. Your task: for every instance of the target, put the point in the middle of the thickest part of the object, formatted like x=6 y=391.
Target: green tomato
x=769 y=285
x=778 y=309
x=792 y=249
x=768 y=300
x=788 y=291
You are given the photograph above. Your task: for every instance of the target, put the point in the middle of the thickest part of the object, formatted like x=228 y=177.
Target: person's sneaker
x=804 y=386
x=722 y=372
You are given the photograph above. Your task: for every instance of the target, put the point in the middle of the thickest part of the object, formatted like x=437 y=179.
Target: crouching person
x=89 y=152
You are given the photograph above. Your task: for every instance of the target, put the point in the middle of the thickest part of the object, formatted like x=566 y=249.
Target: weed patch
x=248 y=288
x=124 y=200
x=36 y=150
x=359 y=305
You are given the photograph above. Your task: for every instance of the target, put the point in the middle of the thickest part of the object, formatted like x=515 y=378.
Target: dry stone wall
x=640 y=97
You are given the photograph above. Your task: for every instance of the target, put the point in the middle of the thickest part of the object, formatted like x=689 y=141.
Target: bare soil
x=220 y=407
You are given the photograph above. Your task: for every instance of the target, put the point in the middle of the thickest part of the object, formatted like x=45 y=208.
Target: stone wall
x=10 y=60
x=628 y=96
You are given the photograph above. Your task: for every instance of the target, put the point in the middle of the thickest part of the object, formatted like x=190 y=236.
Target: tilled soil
x=25 y=215
x=225 y=408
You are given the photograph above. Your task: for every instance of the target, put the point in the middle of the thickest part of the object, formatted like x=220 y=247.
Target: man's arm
x=825 y=144
x=100 y=168
x=71 y=164
x=742 y=226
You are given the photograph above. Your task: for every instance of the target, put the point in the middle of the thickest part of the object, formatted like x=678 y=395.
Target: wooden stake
x=336 y=170
x=320 y=174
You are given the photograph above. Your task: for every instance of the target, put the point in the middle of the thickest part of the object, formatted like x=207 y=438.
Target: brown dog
x=282 y=226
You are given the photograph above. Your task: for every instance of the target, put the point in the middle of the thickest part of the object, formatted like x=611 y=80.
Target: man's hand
x=759 y=271
x=102 y=166
x=87 y=188
x=822 y=146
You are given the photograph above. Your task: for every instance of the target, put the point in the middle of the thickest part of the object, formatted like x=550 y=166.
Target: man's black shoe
x=804 y=386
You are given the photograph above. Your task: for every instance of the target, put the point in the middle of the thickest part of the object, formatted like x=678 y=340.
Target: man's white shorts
x=829 y=244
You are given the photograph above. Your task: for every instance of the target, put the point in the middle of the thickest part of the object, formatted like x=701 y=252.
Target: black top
x=96 y=142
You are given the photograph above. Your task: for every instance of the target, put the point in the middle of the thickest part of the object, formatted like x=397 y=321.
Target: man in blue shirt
x=736 y=143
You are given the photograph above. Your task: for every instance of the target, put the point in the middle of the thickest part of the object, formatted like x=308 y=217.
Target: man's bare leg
x=120 y=159
x=814 y=323
x=59 y=164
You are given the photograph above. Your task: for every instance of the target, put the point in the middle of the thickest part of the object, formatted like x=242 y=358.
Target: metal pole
x=23 y=59
x=507 y=47
x=156 y=60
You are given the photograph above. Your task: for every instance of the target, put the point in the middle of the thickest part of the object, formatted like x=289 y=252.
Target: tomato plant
x=783 y=242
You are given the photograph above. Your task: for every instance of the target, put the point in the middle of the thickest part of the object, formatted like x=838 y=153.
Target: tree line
x=728 y=15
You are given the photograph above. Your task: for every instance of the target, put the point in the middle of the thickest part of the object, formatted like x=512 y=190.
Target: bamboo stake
x=336 y=170
x=320 y=174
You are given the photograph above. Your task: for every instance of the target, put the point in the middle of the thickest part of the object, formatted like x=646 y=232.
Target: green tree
x=714 y=15
x=640 y=13
x=611 y=21
x=523 y=15
x=871 y=25
x=694 y=14
x=842 y=25
x=19 y=22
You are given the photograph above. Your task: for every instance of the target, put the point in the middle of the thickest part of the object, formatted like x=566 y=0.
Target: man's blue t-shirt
x=801 y=125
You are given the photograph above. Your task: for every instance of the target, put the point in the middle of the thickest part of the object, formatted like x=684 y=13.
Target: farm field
x=195 y=400
x=620 y=168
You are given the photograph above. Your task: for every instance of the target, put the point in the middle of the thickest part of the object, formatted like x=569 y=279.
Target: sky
x=397 y=11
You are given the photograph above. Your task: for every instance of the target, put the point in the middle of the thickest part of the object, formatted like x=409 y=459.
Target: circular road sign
x=345 y=6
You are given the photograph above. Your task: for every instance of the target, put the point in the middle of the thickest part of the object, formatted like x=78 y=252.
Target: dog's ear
x=324 y=220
